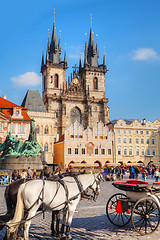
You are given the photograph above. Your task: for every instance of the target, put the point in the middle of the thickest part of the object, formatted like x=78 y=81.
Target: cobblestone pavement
x=90 y=222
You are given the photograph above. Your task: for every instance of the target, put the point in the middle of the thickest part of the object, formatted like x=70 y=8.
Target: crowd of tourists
x=34 y=174
x=135 y=172
x=108 y=173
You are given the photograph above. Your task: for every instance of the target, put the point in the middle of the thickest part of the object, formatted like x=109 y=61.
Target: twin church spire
x=91 y=53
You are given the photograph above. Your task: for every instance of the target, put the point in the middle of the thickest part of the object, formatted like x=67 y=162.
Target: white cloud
x=27 y=79
x=143 y=54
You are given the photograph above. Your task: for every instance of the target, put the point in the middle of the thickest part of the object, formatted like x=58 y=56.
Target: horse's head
x=95 y=186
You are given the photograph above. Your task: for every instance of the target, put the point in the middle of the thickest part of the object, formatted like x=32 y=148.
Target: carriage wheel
x=118 y=219
x=145 y=216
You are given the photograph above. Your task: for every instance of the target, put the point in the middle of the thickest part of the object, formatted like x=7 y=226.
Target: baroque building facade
x=82 y=97
x=137 y=141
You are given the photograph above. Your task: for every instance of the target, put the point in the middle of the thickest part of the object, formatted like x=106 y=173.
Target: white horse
x=53 y=196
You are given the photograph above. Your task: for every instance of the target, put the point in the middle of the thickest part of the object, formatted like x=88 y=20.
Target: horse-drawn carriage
x=140 y=205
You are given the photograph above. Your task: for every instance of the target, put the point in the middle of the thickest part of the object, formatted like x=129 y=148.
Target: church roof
x=33 y=101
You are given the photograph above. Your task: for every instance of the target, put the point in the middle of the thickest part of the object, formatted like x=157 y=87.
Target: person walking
x=30 y=173
x=24 y=174
x=156 y=174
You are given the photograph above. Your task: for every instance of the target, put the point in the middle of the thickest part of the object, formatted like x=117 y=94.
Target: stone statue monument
x=27 y=152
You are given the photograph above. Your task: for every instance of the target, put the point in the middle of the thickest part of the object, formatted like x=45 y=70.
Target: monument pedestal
x=12 y=162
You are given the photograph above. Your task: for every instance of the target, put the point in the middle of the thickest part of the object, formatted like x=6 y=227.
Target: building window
x=136 y=131
x=11 y=128
x=46 y=130
x=21 y=128
x=118 y=131
x=147 y=132
x=153 y=141
x=56 y=81
x=37 y=129
x=124 y=140
x=51 y=79
x=83 y=151
x=130 y=140
x=119 y=140
x=152 y=133
x=142 y=140
x=96 y=151
x=137 y=140
x=109 y=151
x=46 y=147
x=1 y=127
x=141 y=132
x=153 y=152
x=148 y=151
x=95 y=83
x=103 y=151
x=119 y=151
x=129 y=132
x=147 y=141
x=125 y=151
x=124 y=131
x=142 y=151
x=69 y=151
x=76 y=151
x=137 y=152
x=130 y=151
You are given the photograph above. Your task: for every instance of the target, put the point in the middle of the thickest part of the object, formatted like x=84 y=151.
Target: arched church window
x=75 y=115
x=95 y=83
x=46 y=147
x=56 y=80
x=46 y=130
x=51 y=79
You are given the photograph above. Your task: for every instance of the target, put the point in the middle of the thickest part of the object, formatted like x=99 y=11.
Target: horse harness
x=60 y=181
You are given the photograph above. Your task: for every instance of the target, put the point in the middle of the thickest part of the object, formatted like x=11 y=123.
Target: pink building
x=13 y=119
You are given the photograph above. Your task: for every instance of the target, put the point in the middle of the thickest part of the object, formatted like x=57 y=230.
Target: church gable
x=75 y=88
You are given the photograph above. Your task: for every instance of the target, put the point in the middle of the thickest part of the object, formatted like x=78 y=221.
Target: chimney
x=5 y=96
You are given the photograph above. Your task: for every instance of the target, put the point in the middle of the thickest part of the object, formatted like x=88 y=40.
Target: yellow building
x=87 y=146
x=137 y=141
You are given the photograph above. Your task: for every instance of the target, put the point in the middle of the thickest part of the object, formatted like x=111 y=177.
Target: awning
x=84 y=165
x=112 y=164
x=134 y=164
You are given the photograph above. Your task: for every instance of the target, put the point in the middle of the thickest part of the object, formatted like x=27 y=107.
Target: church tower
x=92 y=76
x=53 y=72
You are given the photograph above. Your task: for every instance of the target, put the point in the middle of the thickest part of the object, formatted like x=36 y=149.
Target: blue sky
x=129 y=30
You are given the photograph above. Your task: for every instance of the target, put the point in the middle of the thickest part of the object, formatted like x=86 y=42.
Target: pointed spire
x=54 y=49
x=59 y=44
x=97 y=46
x=65 y=58
x=80 y=64
x=92 y=57
x=68 y=81
x=104 y=60
x=85 y=52
x=42 y=59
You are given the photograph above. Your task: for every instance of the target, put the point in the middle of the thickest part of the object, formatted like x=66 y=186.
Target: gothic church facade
x=82 y=97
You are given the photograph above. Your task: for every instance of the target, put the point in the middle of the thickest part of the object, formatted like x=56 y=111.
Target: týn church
x=80 y=98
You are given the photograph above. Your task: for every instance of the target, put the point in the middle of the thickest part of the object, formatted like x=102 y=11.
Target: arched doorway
x=99 y=163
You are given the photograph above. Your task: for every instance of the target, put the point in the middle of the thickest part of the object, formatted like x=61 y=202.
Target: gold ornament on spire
x=54 y=14
x=91 y=19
